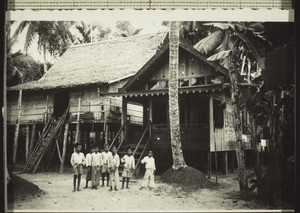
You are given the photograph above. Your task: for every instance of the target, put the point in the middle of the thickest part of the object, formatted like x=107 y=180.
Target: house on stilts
x=116 y=92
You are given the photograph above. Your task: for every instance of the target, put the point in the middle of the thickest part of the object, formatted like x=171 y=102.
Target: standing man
x=77 y=161
x=88 y=160
x=129 y=165
x=105 y=172
x=150 y=169
x=96 y=168
x=113 y=165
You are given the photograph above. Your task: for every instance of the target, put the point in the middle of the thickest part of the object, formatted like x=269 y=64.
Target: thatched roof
x=98 y=63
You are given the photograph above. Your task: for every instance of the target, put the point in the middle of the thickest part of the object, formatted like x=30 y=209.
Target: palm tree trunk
x=240 y=149
x=45 y=57
x=178 y=160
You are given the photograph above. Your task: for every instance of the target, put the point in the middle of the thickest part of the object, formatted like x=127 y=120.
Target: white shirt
x=96 y=159
x=105 y=156
x=129 y=161
x=88 y=159
x=114 y=160
x=150 y=163
x=77 y=159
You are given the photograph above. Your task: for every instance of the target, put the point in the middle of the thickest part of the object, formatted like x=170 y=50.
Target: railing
x=138 y=164
x=143 y=135
x=117 y=135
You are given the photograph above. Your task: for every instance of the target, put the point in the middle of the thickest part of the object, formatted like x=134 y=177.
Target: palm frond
x=30 y=35
x=208 y=44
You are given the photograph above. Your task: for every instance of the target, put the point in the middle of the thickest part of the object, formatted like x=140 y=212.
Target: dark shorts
x=78 y=170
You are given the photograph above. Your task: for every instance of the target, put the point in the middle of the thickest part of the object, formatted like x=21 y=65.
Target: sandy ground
x=59 y=196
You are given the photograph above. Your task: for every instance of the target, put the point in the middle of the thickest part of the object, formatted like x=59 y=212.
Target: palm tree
x=92 y=32
x=178 y=160
x=53 y=37
x=228 y=44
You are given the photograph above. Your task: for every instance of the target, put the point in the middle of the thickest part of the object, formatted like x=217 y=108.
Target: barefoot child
x=150 y=168
x=96 y=166
x=113 y=165
x=105 y=156
x=88 y=163
x=129 y=165
x=77 y=161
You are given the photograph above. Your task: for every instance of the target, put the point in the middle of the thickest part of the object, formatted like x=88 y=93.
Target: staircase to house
x=138 y=148
x=46 y=139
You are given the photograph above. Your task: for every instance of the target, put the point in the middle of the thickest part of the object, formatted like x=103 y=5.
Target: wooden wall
x=225 y=137
x=33 y=107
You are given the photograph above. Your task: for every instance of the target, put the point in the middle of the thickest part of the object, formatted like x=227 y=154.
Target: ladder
x=139 y=149
x=46 y=139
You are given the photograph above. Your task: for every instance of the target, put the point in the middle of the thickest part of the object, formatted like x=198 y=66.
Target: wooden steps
x=47 y=137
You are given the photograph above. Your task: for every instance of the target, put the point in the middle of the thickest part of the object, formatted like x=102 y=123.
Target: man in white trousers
x=148 y=179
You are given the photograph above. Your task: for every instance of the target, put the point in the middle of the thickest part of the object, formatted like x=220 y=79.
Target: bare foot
x=74 y=190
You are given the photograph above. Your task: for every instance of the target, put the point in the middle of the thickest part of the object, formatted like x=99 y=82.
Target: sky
x=148 y=26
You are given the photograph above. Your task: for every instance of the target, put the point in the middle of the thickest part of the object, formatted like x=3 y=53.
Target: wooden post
x=106 y=132
x=32 y=139
x=232 y=161
x=46 y=110
x=64 y=151
x=225 y=163
x=150 y=108
x=124 y=117
x=209 y=165
x=17 y=127
x=27 y=143
x=78 y=122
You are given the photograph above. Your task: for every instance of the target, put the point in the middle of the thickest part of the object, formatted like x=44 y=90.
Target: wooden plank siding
x=33 y=107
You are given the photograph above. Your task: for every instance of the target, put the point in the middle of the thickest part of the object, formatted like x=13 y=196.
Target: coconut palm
x=178 y=160
x=53 y=37
x=232 y=45
x=91 y=32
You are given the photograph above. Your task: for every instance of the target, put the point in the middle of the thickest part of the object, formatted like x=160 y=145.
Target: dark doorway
x=61 y=102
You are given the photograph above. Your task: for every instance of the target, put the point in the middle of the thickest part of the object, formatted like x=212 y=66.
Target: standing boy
x=88 y=160
x=77 y=161
x=96 y=166
x=113 y=165
x=105 y=156
x=150 y=168
x=129 y=165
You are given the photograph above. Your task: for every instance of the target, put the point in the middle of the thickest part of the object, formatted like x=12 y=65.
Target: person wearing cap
x=88 y=163
x=104 y=171
x=129 y=165
x=96 y=167
x=148 y=179
x=77 y=162
x=113 y=166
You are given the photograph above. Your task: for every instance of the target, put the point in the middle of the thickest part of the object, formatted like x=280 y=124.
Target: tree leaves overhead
x=210 y=43
x=220 y=55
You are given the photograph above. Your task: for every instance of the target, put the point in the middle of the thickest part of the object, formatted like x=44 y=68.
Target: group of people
x=106 y=163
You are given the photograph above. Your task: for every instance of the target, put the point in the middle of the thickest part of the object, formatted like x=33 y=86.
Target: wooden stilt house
x=208 y=137
x=74 y=85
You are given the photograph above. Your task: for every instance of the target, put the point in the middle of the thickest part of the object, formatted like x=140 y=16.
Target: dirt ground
x=59 y=196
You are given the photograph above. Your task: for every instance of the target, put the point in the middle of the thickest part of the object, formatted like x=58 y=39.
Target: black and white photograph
x=146 y=114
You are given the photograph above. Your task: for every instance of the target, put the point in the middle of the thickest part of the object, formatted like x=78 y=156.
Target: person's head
x=78 y=147
x=92 y=150
x=129 y=152
x=150 y=154
x=96 y=149
x=106 y=148
x=114 y=150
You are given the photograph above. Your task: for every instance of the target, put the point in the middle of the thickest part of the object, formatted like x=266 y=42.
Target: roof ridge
x=115 y=39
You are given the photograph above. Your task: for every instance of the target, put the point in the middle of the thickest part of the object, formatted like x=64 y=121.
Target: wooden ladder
x=139 y=149
x=46 y=139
